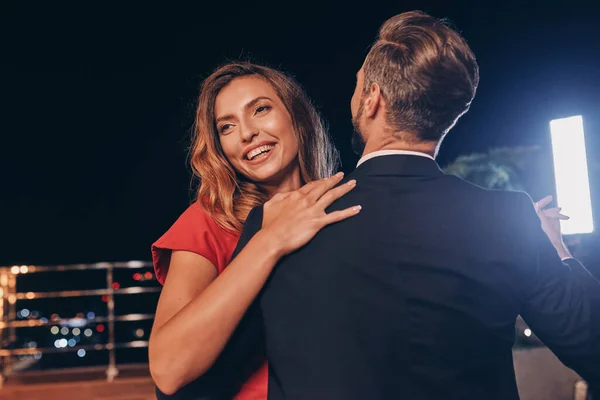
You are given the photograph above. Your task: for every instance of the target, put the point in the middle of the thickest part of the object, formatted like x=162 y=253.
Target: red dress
x=197 y=232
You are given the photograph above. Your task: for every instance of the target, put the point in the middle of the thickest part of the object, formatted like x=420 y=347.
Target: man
x=416 y=297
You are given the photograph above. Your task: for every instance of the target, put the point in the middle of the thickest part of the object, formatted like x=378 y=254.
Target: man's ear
x=373 y=100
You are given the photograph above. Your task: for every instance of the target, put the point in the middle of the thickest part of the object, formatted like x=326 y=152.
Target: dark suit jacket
x=416 y=297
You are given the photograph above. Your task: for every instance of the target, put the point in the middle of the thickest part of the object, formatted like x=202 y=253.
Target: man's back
x=414 y=298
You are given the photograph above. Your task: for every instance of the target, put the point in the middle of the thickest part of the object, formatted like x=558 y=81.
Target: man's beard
x=358 y=142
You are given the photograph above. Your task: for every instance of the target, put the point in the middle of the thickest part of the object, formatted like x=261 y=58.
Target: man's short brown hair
x=427 y=73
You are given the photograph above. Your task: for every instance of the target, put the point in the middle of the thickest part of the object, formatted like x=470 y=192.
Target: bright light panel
x=571 y=174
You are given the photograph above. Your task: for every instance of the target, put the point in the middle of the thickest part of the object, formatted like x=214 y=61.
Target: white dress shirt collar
x=380 y=153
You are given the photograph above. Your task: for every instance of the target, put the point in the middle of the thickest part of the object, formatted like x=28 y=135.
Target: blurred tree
x=500 y=168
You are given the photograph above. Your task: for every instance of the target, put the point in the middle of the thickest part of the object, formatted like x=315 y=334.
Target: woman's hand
x=550 y=219
x=292 y=219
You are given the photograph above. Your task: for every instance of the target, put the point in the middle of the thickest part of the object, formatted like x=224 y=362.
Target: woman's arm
x=198 y=310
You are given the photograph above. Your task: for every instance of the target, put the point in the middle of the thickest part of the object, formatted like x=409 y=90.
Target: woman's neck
x=291 y=181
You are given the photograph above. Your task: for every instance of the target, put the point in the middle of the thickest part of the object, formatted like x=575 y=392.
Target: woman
x=256 y=137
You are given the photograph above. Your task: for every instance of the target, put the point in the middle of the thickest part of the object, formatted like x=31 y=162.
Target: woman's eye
x=261 y=109
x=224 y=127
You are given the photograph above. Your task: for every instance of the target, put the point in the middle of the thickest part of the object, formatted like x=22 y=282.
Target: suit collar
x=399 y=165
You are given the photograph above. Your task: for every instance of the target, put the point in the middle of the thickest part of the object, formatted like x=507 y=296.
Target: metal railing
x=9 y=322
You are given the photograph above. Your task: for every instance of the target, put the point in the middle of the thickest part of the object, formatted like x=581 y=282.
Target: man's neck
x=422 y=147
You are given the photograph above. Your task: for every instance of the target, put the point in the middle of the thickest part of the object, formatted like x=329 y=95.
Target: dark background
x=97 y=100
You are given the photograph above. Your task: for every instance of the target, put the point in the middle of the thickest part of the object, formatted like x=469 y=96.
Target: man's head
x=419 y=77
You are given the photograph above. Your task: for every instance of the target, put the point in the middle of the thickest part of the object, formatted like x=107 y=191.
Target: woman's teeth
x=258 y=151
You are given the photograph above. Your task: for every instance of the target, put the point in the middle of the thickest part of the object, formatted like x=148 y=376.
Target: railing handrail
x=31 y=323
x=79 y=293
x=29 y=269
x=97 y=346
x=9 y=322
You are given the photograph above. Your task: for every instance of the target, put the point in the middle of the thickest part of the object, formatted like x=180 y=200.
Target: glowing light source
x=64 y=330
x=71 y=342
x=14 y=270
x=527 y=332
x=100 y=328
x=81 y=353
x=571 y=174
x=24 y=269
x=76 y=331
x=87 y=332
x=139 y=333
x=91 y=315
x=54 y=330
x=116 y=285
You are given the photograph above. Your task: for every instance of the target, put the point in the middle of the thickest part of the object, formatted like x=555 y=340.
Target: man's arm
x=562 y=303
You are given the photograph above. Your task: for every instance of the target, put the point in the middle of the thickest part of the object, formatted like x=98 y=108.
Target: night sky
x=97 y=101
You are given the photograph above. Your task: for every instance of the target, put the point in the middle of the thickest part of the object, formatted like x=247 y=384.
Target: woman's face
x=256 y=133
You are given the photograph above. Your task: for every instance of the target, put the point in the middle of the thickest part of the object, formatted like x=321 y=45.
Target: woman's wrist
x=271 y=246
x=561 y=249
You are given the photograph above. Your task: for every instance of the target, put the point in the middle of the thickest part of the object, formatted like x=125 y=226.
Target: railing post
x=12 y=306
x=112 y=370
x=3 y=291
x=9 y=281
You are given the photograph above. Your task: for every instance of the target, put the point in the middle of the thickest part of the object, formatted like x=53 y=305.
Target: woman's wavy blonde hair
x=226 y=195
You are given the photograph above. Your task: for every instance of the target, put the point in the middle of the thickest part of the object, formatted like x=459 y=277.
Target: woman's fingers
x=279 y=197
x=322 y=186
x=340 y=215
x=539 y=205
x=555 y=213
x=335 y=193
x=309 y=187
